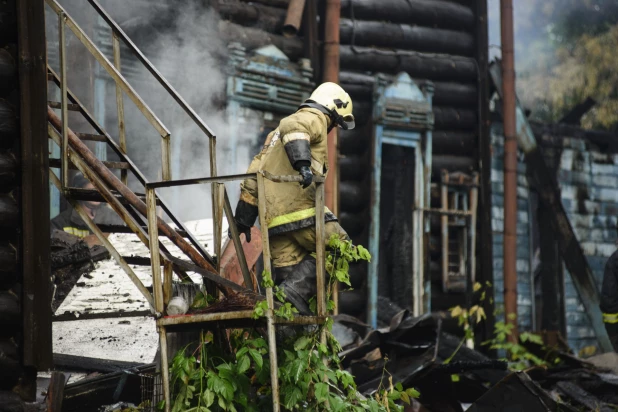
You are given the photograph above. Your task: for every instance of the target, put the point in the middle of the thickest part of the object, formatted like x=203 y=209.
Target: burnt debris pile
x=452 y=377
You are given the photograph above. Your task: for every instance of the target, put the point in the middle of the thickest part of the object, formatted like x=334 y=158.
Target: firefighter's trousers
x=294 y=267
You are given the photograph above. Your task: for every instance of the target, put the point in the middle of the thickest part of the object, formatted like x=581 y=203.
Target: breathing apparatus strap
x=336 y=118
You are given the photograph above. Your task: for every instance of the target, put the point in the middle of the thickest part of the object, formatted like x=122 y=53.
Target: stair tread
x=54 y=162
x=70 y=106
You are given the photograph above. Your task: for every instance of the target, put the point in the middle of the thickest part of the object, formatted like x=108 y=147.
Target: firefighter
x=69 y=221
x=609 y=298
x=298 y=145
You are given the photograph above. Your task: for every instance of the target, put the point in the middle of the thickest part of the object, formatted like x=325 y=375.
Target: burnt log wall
x=430 y=40
x=25 y=322
x=11 y=283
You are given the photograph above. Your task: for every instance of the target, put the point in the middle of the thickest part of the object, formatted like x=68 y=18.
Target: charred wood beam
x=9 y=212
x=454 y=142
x=450 y=118
x=9 y=125
x=8 y=170
x=10 y=313
x=353 y=167
x=265 y=17
x=354 y=196
x=8 y=72
x=355 y=141
x=418 y=65
x=55 y=393
x=353 y=223
x=406 y=37
x=83 y=363
x=253 y=38
x=432 y=13
x=360 y=86
x=274 y=3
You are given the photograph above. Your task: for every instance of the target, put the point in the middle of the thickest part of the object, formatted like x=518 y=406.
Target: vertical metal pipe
x=63 y=101
x=510 y=165
x=122 y=138
x=272 y=344
x=293 y=18
x=331 y=74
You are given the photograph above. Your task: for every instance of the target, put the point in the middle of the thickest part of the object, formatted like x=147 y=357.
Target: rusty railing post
x=153 y=233
x=122 y=137
x=272 y=344
x=510 y=167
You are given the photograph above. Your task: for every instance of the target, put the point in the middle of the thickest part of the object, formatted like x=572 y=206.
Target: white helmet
x=333 y=101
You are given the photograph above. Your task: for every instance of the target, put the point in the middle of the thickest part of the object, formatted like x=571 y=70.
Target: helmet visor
x=348 y=120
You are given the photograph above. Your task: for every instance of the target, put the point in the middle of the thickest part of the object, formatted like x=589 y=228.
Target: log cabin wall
x=25 y=315
x=430 y=40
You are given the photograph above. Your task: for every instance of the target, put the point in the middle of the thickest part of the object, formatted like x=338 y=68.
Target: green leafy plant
x=309 y=369
x=517 y=355
x=285 y=311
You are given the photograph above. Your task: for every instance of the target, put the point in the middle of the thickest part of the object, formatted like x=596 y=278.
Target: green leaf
x=244 y=364
x=399 y=386
x=454 y=377
x=292 y=398
x=364 y=253
x=413 y=393
x=257 y=358
x=296 y=369
x=242 y=352
x=343 y=277
x=208 y=397
x=302 y=343
x=321 y=392
x=222 y=404
x=405 y=398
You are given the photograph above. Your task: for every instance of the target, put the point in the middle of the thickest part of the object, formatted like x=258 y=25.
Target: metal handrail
x=159 y=285
x=109 y=67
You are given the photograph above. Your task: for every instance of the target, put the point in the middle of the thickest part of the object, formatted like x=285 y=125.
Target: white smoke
x=182 y=41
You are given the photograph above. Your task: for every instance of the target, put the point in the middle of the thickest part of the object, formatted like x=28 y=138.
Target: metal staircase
x=138 y=209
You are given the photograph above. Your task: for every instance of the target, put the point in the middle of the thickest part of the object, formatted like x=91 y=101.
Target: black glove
x=241 y=229
x=244 y=217
x=305 y=172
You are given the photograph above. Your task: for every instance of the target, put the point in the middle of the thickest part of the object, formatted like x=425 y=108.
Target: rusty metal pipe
x=331 y=74
x=510 y=166
x=135 y=201
x=293 y=18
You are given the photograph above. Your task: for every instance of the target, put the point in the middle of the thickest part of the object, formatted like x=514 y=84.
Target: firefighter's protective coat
x=288 y=206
